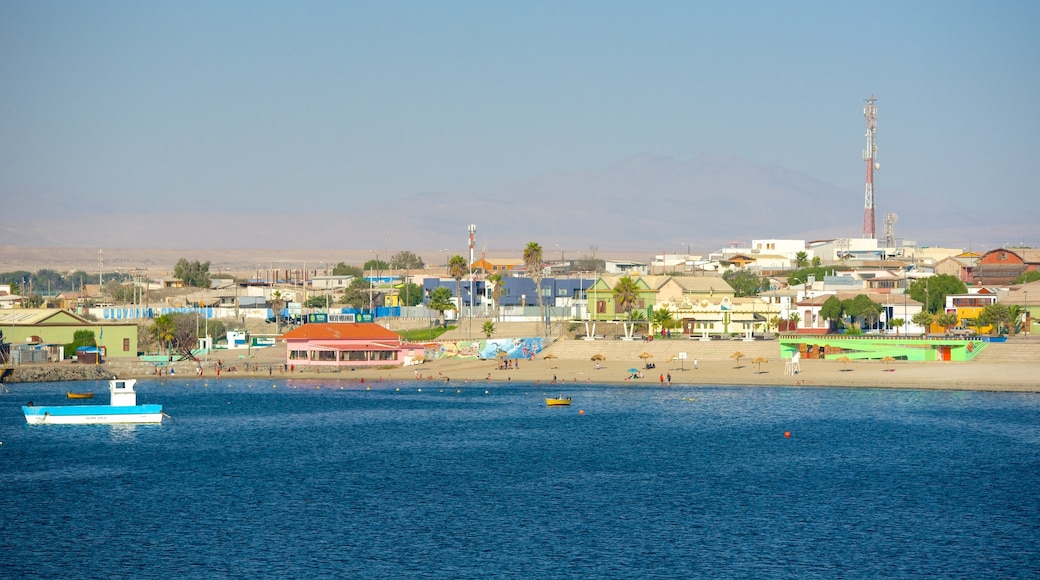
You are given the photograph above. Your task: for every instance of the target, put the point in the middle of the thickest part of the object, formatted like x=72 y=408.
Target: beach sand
x=977 y=376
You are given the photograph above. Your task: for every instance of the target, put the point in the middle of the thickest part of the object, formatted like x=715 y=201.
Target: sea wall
x=44 y=373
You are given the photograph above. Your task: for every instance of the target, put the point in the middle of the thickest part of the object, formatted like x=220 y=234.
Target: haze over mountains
x=646 y=203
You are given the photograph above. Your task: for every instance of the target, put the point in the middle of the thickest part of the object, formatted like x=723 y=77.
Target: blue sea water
x=310 y=479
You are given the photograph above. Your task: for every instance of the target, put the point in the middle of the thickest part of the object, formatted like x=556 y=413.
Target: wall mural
x=496 y=348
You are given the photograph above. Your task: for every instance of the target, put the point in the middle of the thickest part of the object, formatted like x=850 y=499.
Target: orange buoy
x=581 y=411
x=787 y=433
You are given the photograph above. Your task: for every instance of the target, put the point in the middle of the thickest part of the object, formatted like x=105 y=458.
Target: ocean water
x=310 y=479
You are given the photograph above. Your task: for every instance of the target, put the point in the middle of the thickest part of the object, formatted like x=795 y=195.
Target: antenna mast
x=869 y=155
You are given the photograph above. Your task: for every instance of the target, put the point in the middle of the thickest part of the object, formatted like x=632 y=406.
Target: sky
x=256 y=106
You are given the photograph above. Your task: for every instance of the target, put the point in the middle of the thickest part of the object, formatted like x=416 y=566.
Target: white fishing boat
x=122 y=408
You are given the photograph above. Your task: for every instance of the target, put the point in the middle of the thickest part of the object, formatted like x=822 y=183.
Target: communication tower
x=890 y=229
x=870 y=156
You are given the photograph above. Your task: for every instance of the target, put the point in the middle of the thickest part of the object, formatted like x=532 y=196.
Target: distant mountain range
x=646 y=203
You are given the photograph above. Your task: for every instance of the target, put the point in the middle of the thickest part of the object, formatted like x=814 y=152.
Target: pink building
x=349 y=344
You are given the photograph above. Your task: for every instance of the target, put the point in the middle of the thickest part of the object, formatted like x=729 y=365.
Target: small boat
x=87 y=395
x=122 y=408
x=557 y=402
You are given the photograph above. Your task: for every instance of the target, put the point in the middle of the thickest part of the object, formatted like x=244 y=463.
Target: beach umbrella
x=759 y=362
x=598 y=357
x=846 y=360
x=737 y=355
x=502 y=354
x=633 y=370
x=887 y=359
x=645 y=355
x=549 y=356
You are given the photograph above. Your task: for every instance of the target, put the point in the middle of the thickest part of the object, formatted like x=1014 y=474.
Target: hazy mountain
x=645 y=203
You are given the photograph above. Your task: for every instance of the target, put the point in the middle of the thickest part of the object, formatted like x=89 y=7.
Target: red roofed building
x=349 y=344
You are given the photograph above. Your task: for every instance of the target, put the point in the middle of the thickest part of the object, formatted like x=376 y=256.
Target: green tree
x=864 y=309
x=79 y=338
x=410 y=294
x=489 y=329
x=194 y=273
x=375 y=265
x=533 y=263
x=933 y=290
x=317 y=301
x=342 y=269
x=1027 y=277
x=405 y=260
x=357 y=294
x=833 y=310
x=999 y=316
x=923 y=319
x=947 y=320
x=896 y=323
x=744 y=282
x=33 y=301
x=801 y=260
x=816 y=262
x=441 y=301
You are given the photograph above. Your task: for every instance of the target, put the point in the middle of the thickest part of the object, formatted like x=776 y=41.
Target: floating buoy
x=398 y=389
x=581 y=411
x=486 y=392
x=787 y=433
x=420 y=389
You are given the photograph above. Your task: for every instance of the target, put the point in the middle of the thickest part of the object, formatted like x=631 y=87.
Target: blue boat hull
x=93 y=414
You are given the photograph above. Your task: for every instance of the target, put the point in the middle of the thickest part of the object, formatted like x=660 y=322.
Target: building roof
x=341 y=331
x=33 y=316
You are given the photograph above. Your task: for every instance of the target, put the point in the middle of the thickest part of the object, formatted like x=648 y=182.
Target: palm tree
x=625 y=292
x=440 y=300
x=533 y=263
x=489 y=328
x=663 y=319
x=801 y=260
x=277 y=303
x=457 y=269
x=794 y=319
x=163 y=331
x=496 y=289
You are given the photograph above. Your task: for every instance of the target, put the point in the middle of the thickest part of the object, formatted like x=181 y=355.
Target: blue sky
x=330 y=104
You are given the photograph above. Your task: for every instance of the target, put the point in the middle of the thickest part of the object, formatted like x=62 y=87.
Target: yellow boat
x=557 y=402
x=72 y=395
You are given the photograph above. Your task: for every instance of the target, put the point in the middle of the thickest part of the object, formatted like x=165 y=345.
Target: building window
x=601 y=306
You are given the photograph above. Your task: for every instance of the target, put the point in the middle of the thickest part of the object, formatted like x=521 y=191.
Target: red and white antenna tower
x=870 y=156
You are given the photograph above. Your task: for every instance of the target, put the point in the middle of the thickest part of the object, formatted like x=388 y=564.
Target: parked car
x=961 y=331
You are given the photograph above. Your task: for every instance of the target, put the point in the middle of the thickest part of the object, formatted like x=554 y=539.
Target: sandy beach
x=1014 y=376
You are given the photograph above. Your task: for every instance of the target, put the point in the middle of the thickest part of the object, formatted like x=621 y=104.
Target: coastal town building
x=56 y=327
x=347 y=345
